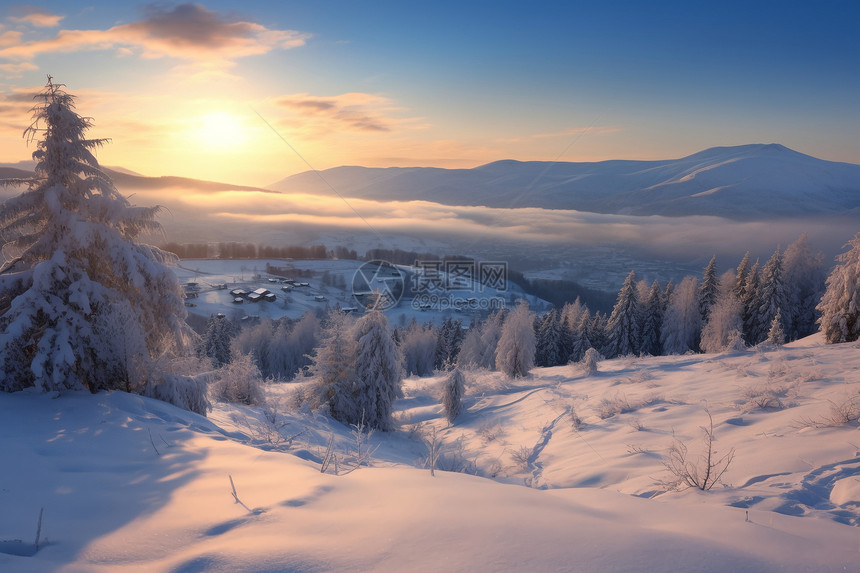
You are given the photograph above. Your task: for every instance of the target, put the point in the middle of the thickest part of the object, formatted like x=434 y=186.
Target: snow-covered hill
x=131 y=484
x=743 y=182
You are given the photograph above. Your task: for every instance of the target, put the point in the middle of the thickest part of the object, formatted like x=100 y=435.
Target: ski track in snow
x=545 y=436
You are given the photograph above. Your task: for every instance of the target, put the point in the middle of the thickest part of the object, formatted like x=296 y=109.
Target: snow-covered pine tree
x=548 y=346
x=449 y=337
x=652 y=321
x=215 y=343
x=770 y=297
x=333 y=368
x=452 y=394
x=708 y=289
x=748 y=303
x=624 y=330
x=515 y=353
x=377 y=372
x=776 y=335
x=741 y=275
x=724 y=329
x=804 y=282
x=581 y=336
x=74 y=266
x=840 y=305
x=682 y=322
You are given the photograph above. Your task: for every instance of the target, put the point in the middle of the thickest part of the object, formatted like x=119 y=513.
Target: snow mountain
x=759 y=181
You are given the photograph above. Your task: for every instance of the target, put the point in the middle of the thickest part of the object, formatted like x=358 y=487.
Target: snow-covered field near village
x=558 y=471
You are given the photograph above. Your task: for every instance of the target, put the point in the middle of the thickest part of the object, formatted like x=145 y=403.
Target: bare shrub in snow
x=186 y=392
x=521 y=456
x=765 y=397
x=239 y=382
x=490 y=431
x=618 y=404
x=842 y=412
x=701 y=471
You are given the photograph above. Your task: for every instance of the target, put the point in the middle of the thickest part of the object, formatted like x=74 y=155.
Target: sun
x=221 y=131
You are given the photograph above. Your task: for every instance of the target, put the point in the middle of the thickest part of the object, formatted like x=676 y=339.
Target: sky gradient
x=251 y=96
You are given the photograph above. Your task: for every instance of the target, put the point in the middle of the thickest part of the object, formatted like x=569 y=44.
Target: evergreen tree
x=377 y=372
x=776 y=335
x=449 y=337
x=770 y=297
x=708 y=289
x=840 y=305
x=549 y=350
x=582 y=337
x=724 y=329
x=333 y=368
x=749 y=306
x=652 y=322
x=682 y=322
x=82 y=305
x=515 y=352
x=452 y=394
x=623 y=332
x=215 y=343
x=804 y=282
x=741 y=275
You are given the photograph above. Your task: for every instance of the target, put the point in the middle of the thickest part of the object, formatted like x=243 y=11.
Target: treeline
x=233 y=250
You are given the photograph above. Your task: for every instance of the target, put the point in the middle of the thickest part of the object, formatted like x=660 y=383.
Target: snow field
x=132 y=484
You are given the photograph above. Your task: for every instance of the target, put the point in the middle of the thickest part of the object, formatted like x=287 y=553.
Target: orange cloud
x=188 y=31
x=34 y=16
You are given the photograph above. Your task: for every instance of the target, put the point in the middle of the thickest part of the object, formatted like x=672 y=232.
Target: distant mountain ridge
x=758 y=181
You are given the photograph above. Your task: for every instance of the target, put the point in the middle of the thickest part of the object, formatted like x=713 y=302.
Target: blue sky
x=178 y=87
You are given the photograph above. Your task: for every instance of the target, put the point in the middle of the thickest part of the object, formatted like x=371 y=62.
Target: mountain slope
x=743 y=182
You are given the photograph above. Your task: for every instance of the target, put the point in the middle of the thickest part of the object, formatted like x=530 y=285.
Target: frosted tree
x=333 y=368
x=652 y=322
x=479 y=345
x=776 y=335
x=708 y=289
x=73 y=267
x=724 y=329
x=624 y=330
x=289 y=345
x=548 y=346
x=804 y=282
x=449 y=337
x=215 y=343
x=452 y=394
x=377 y=372
x=840 y=305
x=682 y=322
x=582 y=336
x=589 y=361
x=749 y=303
x=741 y=275
x=515 y=353
x=418 y=346
x=771 y=296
